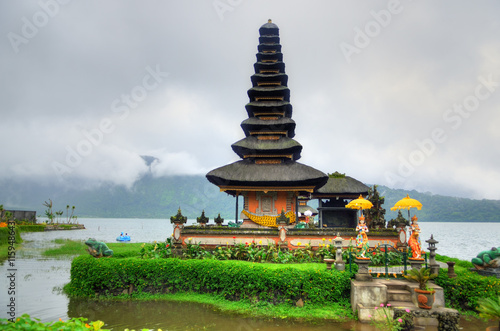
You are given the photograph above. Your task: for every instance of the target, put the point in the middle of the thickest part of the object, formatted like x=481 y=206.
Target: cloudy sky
x=398 y=93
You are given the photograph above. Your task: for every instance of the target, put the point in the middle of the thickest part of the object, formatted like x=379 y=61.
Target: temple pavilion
x=268 y=175
x=333 y=197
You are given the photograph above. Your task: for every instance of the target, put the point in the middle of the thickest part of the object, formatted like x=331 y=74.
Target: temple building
x=333 y=197
x=268 y=175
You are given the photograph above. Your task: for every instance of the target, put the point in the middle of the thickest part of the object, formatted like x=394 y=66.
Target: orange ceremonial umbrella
x=407 y=203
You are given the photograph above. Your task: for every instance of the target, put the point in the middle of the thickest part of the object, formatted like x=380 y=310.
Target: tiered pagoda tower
x=268 y=177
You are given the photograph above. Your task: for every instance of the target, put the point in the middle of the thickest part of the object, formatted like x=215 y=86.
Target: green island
x=228 y=283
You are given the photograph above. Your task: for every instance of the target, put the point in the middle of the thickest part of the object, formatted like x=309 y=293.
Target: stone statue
x=487 y=259
x=362 y=238
x=414 y=241
x=98 y=249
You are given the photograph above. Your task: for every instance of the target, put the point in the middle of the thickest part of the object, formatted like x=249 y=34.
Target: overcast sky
x=398 y=93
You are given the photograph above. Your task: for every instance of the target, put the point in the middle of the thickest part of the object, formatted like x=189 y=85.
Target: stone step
x=402 y=304
x=398 y=295
x=395 y=285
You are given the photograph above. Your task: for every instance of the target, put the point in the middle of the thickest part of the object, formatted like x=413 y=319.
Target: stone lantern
x=339 y=262
x=432 y=255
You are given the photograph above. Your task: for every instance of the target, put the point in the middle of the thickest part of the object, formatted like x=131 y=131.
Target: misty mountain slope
x=152 y=197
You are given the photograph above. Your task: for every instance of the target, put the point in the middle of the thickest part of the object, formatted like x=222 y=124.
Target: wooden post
x=320 y=204
x=297 y=208
x=236 y=211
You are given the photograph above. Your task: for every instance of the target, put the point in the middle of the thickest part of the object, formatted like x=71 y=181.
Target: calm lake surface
x=39 y=281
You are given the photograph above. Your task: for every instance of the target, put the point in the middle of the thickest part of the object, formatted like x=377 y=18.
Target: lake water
x=39 y=280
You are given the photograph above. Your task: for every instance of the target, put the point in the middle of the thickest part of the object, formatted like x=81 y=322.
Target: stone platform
x=400 y=294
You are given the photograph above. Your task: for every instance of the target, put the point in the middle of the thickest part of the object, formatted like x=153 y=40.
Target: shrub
x=25 y=322
x=234 y=280
x=465 y=290
x=4 y=235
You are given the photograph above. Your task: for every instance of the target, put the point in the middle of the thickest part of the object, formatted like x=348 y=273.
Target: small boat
x=123 y=237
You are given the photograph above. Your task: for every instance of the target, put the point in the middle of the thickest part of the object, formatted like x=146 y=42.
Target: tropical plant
x=421 y=276
x=25 y=322
x=49 y=213
x=70 y=217
x=384 y=319
x=156 y=250
x=489 y=308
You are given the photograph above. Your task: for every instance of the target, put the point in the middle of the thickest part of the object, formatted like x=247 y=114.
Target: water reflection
x=181 y=316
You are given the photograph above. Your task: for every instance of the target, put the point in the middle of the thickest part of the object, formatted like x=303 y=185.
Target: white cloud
x=361 y=117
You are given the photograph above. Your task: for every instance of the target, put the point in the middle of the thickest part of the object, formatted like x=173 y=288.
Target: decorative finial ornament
x=269 y=21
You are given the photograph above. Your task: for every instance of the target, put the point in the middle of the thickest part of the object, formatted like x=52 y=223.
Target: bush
x=234 y=280
x=4 y=235
x=25 y=322
x=464 y=291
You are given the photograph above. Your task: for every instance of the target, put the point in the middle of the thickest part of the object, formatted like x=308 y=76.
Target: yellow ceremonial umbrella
x=359 y=203
x=407 y=203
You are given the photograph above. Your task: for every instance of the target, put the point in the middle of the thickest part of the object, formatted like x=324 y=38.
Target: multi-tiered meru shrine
x=268 y=177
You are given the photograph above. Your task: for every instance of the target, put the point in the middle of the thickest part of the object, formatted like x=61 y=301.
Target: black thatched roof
x=266 y=162
x=269 y=106
x=341 y=186
x=281 y=124
x=269 y=28
x=256 y=78
x=246 y=173
x=253 y=146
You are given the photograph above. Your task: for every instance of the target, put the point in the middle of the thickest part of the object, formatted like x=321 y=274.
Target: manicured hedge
x=234 y=280
x=4 y=235
x=464 y=291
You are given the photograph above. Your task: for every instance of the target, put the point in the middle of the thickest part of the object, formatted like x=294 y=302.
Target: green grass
x=75 y=247
x=122 y=250
x=337 y=312
x=69 y=247
x=3 y=252
x=32 y=228
x=273 y=266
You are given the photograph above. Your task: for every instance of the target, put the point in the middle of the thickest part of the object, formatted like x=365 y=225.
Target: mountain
x=152 y=197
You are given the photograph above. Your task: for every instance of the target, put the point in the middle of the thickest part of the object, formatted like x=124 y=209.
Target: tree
x=375 y=216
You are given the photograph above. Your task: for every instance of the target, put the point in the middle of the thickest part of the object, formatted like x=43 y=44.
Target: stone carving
x=487 y=259
x=98 y=249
